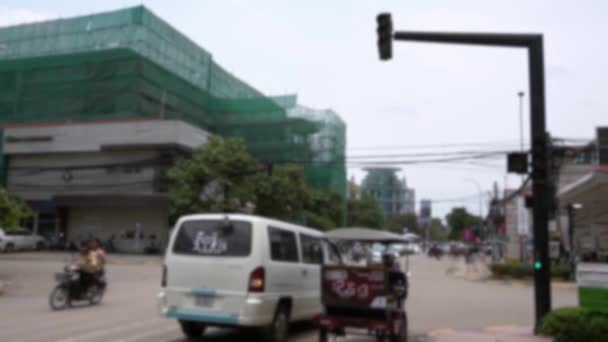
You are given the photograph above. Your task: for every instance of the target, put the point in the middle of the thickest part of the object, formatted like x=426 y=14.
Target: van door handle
x=304 y=273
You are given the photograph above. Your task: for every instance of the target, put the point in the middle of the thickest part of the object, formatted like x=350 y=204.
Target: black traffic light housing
x=385 y=36
x=517 y=162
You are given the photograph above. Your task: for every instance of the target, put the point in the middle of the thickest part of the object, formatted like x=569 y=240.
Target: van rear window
x=213 y=238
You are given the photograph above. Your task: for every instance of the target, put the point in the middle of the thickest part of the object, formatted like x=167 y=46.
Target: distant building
x=518 y=225
x=392 y=194
x=583 y=181
x=409 y=205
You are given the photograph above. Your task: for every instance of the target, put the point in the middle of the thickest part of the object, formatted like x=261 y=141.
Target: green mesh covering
x=130 y=64
x=2 y=161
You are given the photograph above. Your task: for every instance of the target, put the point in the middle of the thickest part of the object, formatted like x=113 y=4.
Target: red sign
x=467 y=234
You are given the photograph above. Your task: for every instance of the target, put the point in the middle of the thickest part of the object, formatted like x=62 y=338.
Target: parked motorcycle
x=70 y=288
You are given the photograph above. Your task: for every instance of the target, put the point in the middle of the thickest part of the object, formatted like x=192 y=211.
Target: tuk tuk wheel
x=400 y=336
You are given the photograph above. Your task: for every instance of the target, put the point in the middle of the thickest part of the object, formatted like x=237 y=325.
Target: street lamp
x=520 y=94
x=533 y=43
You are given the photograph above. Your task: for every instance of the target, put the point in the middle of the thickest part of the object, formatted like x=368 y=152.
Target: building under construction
x=95 y=109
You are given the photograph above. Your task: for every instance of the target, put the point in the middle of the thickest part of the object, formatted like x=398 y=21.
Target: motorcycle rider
x=88 y=264
x=100 y=254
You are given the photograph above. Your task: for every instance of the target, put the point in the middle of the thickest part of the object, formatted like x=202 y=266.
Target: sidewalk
x=508 y=333
x=112 y=259
x=480 y=271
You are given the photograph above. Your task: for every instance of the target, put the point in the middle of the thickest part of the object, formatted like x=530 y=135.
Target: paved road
x=128 y=313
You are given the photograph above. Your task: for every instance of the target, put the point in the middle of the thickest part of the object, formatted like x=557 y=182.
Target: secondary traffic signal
x=385 y=36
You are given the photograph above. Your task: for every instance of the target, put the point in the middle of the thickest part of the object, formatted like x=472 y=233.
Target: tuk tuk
x=364 y=299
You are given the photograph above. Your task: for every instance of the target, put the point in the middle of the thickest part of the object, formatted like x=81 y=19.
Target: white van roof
x=251 y=218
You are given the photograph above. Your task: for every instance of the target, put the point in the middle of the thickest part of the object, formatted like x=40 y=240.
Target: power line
x=439 y=145
x=427 y=154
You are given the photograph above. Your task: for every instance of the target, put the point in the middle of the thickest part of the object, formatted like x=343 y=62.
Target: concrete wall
x=95 y=136
x=41 y=176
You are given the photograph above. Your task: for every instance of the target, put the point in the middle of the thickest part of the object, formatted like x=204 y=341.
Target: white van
x=241 y=271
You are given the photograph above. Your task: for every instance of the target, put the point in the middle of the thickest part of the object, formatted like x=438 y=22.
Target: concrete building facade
x=102 y=180
x=95 y=109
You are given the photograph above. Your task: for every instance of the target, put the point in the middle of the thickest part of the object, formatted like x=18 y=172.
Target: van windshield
x=214 y=238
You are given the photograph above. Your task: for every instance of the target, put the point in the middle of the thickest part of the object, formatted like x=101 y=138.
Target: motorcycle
x=435 y=252
x=70 y=288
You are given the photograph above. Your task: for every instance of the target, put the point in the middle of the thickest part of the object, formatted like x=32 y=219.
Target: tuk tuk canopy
x=365 y=235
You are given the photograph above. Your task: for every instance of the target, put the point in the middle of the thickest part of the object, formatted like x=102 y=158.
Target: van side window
x=312 y=249
x=283 y=246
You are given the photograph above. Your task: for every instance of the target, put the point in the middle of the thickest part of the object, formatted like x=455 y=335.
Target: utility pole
x=533 y=43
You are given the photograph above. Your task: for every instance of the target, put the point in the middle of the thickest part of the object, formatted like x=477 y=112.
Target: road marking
x=148 y=334
x=104 y=331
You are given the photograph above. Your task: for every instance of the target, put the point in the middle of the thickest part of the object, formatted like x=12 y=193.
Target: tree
x=283 y=195
x=458 y=219
x=222 y=177
x=397 y=222
x=12 y=210
x=438 y=231
x=365 y=212
x=325 y=210
x=353 y=188
x=218 y=178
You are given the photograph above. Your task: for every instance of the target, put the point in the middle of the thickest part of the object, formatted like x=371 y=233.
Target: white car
x=413 y=248
x=20 y=239
x=237 y=270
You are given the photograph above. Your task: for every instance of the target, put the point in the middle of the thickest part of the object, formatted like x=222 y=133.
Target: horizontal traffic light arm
x=497 y=39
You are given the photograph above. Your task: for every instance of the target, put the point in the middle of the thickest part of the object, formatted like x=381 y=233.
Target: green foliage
x=438 y=231
x=221 y=176
x=458 y=219
x=324 y=210
x=397 y=222
x=217 y=178
x=12 y=210
x=283 y=195
x=575 y=324
x=519 y=271
x=365 y=212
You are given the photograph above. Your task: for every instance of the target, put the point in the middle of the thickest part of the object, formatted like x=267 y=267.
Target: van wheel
x=192 y=330
x=279 y=328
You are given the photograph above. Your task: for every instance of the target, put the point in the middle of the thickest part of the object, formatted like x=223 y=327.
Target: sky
x=447 y=96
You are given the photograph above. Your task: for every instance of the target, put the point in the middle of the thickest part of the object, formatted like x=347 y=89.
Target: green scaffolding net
x=2 y=161
x=130 y=64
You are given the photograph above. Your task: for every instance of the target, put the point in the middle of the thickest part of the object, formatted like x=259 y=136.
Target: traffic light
x=517 y=162
x=538 y=265
x=385 y=36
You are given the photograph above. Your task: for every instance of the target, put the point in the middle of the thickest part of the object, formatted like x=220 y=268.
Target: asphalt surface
x=437 y=303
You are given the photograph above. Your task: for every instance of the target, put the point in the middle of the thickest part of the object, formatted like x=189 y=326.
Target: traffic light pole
x=540 y=157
